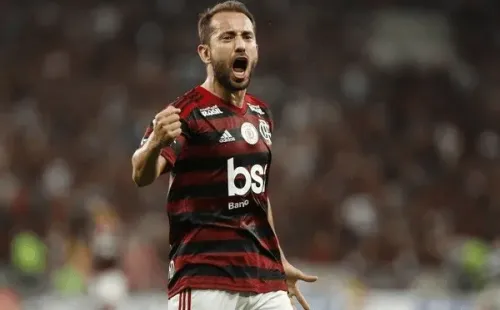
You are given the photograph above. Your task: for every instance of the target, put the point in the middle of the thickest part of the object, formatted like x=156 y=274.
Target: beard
x=222 y=73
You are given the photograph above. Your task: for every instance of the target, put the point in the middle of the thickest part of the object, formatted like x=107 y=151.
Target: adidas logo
x=210 y=111
x=226 y=137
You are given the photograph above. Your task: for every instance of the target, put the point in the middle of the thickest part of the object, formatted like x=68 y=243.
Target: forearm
x=145 y=163
x=270 y=218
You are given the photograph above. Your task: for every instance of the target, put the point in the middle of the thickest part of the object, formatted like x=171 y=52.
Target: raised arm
x=147 y=162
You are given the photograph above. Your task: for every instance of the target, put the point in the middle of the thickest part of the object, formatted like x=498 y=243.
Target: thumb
x=307 y=278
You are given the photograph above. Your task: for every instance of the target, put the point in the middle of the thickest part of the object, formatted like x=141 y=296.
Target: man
x=215 y=141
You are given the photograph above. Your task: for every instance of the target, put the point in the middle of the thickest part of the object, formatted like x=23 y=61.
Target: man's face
x=233 y=49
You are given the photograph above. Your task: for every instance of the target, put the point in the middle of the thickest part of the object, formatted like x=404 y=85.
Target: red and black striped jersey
x=217 y=202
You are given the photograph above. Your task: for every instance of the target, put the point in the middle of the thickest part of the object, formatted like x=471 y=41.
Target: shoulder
x=188 y=101
x=253 y=100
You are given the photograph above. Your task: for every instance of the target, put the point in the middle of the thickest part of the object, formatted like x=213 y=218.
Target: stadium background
x=385 y=178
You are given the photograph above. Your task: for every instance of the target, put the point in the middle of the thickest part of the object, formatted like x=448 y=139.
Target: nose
x=239 y=45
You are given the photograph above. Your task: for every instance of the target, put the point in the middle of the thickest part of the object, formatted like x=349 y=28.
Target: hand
x=166 y=126
x=292 y=276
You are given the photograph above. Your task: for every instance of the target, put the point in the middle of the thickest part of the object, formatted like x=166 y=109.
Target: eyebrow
x=232 y=32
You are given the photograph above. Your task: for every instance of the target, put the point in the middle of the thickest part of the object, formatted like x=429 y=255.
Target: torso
x=217 y=205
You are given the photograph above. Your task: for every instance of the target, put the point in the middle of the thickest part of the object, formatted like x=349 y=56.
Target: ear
x=204 y=53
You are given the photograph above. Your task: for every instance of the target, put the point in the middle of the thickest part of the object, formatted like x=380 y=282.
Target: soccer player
x=215 y=141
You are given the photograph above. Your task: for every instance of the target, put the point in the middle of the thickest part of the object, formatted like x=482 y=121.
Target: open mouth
x=240 y=65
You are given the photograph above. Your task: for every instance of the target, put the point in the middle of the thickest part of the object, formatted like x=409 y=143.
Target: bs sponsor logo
x=253 y=179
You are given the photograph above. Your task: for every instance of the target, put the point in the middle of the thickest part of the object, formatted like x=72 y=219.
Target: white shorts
x=224 y=300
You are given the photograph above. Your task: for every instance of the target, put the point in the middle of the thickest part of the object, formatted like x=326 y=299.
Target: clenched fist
x=166 y=126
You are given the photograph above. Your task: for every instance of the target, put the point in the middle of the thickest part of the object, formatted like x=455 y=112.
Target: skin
x=233 y=36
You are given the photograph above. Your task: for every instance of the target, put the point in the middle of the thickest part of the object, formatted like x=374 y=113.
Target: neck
x=234 y=97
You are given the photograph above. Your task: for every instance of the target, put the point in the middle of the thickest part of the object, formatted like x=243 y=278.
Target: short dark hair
x=204 y=22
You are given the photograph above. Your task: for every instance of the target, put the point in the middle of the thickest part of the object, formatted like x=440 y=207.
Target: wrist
x=154 y=144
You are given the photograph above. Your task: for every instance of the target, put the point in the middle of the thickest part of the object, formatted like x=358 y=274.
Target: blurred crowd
x=386 y=146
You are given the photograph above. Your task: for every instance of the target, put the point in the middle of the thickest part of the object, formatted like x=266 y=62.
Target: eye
x=226 y=36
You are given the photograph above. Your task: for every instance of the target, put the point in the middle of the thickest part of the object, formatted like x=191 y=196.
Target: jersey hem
x=193 y=285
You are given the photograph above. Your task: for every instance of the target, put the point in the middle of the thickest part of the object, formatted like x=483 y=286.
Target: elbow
x=141 y=173
x=138 y=183
x=138 y=180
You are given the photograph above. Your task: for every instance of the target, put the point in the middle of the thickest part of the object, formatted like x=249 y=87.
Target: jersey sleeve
x=172 y=152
